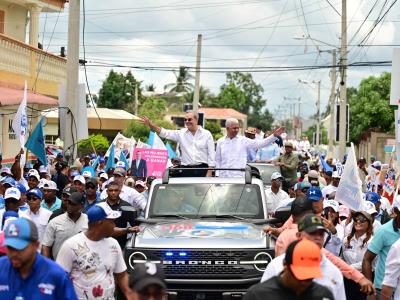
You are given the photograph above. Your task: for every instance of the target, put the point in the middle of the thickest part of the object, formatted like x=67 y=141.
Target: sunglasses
x=188 y=119
x=32 y=198
x=360 y=219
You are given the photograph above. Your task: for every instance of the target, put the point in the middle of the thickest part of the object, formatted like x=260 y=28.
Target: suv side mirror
x=130 y=213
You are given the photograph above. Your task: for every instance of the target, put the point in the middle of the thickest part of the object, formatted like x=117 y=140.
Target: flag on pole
x=158 y=143
x=110 y=160
x=20 y=122
x=36 y=144
x=349 y=189
x=325 y=165
x=96 y=162
x=123 y=159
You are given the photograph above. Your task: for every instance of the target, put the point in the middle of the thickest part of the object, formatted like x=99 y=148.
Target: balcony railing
x=23 y=59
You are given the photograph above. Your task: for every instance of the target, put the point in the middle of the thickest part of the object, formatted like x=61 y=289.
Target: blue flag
x=324 y=164
x=150 y=140
x=96 y=162
x=171 y=152
x=36 y=144
x=123 y=159
x=110 y=160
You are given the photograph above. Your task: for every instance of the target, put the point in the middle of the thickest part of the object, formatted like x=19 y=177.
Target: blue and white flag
x=20 y=122
x=111 y=156
x=349 y=190
x=36 y=144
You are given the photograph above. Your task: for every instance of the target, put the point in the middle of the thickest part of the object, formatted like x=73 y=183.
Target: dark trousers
x=191 y=171
x=353 y=290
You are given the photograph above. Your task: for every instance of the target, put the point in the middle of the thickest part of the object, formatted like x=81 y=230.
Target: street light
x=318 y=83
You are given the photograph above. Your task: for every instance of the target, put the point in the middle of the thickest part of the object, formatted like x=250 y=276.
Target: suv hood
x=201 y=234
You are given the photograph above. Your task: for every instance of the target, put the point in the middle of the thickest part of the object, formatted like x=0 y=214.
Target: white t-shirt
x=41 y=219
x=91 y=265
x=392 y=269
x=332 y=278
x=274 y=200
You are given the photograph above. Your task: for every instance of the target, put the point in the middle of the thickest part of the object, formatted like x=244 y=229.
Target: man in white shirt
x=94 y=260
x=232 y=149
x=313 y=230
x=391 y=281
x=195 y=142
x=275 y=195
x=326 y=191
x=127 y=193
x=39 y=215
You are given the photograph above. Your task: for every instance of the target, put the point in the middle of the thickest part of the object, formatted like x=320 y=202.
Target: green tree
x=153 y=107
x=310 y=134
x=204 y=96
x=118 y=90
x=99 y=142
x=264 y=119
x=370 y=108
x=182 y=84
x=89 y=101
x=214 y=128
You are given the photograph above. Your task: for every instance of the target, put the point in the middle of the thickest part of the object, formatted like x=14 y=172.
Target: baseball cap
x=289 y=144
x=19 y=233
x=372 y=197
x=104 y=175
x=36 y=192
x=314 y=193
x=369 y=207
x=102 y=160
x=304 y=259
x=313 y=174
x=60 y=155
x=365 y=214
x=344 y=211
x=79 y=178
x=120 y=164
x=42 y=169
x=140 y=183
x=86 y=174
x=276 y=175
x=69 y=190
x=21 y=188
x=10 y=181
x=311 y=223
x=101 y=211
x=34 y=173
x=377 y=164
x=332 y=204
x=50 y=185
x=12 y=193
x=299 y=205
x=92 y=180
x=76 y=198
x=335 y=174
x=302 y=185
x=5 y=170
x=147 y=274
x=119 y=171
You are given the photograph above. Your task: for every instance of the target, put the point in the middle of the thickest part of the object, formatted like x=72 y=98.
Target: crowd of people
x=63 y=229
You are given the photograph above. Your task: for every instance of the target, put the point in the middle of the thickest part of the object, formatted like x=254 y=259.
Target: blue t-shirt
x=56 y=205
x=46 y=281
x=383 y=239
x=90 y=169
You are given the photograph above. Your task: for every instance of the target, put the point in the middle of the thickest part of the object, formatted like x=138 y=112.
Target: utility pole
x=343 y=91
x=72 y=77
x=196 y=94
x=136 y=98
x=332 y=103
x=317 y=141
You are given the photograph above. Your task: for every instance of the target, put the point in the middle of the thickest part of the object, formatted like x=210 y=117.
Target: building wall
x=15 y=17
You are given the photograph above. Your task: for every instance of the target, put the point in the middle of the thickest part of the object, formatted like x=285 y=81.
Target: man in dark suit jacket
x=139 y=166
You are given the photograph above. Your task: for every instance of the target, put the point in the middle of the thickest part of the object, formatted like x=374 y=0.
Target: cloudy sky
x=250 y=35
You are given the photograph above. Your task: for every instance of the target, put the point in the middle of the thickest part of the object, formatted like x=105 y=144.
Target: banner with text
x=155 y=159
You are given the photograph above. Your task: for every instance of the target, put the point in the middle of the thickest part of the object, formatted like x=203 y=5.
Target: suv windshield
x=198 y=200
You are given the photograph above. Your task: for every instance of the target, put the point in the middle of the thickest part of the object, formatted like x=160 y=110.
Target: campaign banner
x=154 y=161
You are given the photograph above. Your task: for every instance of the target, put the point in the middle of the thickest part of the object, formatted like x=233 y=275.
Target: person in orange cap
x=302 y=263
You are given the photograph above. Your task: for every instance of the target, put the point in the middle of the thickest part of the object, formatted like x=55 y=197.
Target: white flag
x=349 y=190
x=158 y=143
x=20 y=122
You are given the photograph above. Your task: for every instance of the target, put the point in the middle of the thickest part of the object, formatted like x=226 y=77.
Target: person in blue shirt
x=268 y=154
x=380 y=245
x=25 y=274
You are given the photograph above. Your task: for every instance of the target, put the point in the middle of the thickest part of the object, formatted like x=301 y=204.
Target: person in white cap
x=140 y=186
x=79 y=183
x=86 y=175
x=12 y=198
x=33 y=178
x=94 y=260
x=333 y=186
x=43 y=172
x=330 y=218
x=50 y=199
x=275 y=195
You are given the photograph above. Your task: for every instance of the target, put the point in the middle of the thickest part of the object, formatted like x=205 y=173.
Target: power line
x=334 y=8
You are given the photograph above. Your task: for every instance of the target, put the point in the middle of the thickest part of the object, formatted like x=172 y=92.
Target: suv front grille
x=217 y=271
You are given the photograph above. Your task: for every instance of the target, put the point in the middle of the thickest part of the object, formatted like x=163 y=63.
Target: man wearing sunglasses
x=39 y=215
x=196 y=144
x=91 y=195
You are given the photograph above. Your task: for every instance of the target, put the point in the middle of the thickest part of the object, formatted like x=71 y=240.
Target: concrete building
x=21 y=60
